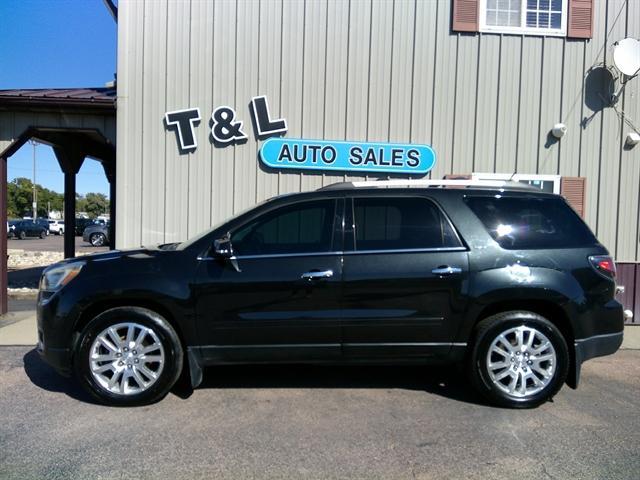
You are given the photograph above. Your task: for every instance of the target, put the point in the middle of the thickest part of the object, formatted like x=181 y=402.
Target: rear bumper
x=592 y=347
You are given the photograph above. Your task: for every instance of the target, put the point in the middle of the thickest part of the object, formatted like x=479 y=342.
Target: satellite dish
x=626 y=56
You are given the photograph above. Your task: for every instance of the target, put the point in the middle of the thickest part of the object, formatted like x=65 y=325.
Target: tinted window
x=303 y=228
x=523 y=223
x=401 y=223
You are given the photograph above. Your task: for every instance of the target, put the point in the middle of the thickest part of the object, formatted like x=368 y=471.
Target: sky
x=56 y=44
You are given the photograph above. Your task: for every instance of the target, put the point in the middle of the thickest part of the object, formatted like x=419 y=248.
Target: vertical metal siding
x=360 y=69
x=200 y=94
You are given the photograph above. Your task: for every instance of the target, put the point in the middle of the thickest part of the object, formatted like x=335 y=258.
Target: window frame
x=523 y=29
x=556 y=179
x=350 y=228
x=336 y=221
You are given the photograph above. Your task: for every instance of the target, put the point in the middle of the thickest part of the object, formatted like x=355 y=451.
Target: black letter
x=396 y=157
x=184 y=121
x=333 y=154
x=414 y=158
x=284 y=153
x=262 y=120
x=356 y=153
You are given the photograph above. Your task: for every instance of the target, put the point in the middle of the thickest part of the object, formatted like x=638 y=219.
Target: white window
x=546 y=183
x=532 y=17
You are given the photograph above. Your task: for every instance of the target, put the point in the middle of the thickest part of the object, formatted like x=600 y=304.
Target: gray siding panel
x=360 y=70
x=488 y=97
x=200 y=94
x=176 y=97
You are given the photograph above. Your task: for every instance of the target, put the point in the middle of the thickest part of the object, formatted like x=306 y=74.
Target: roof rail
x=429 y=184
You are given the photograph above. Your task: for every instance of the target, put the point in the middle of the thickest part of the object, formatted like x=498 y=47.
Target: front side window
x=535 y=17
x=302 y=228
x=401 y=223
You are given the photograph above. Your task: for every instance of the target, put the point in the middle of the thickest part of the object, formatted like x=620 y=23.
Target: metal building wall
x=360 y=70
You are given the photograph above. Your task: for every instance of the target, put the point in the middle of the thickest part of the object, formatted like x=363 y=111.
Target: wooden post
x=70 y=160
x=69 y=214
x=4 y=277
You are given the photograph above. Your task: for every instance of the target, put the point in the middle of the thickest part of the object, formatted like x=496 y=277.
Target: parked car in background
x=81 y=224
x=97 y=235
x=497 y=276
x=28 y=228
x=56 y=226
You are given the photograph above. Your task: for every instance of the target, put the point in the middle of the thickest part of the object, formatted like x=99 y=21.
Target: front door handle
x=317 y=275
x=444 y=270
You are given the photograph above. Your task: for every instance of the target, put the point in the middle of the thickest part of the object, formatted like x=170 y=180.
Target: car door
x=282 y=300
x=404 y=271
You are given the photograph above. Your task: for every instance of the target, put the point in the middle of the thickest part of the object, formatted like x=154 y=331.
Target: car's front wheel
x=519 y=359
x=97 y=239
x=128 y=356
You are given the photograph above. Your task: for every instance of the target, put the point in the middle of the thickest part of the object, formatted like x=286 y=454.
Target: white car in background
x=56 y=226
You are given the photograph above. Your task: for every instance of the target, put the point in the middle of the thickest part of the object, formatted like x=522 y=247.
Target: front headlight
x=58 y=277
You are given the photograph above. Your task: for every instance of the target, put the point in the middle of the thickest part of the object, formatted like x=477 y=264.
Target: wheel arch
x=93 y=310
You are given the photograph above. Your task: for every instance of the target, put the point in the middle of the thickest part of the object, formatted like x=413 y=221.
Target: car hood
x=133 y=253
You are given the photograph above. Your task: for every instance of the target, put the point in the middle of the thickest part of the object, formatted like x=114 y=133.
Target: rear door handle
x=317 y=275
x=444 y=270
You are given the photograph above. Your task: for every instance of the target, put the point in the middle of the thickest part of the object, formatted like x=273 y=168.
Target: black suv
x=498 y=276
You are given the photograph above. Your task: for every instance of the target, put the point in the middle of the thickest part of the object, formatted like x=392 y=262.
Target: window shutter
x=574 y=190
x=465 y=15
x=580 y=21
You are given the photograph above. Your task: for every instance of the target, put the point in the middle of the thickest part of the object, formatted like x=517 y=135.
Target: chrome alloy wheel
x=126 y=358
x=521 y=361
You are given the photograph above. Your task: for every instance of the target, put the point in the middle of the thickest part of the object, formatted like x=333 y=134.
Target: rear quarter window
x=531 y=223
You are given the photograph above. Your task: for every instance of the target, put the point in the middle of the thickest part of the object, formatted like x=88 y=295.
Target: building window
x=532 y=17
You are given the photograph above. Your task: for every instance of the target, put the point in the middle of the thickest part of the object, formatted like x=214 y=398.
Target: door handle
x=317 y=275
x=444 y=270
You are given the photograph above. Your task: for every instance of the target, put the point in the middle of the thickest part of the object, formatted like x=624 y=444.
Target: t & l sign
x=226 y=128
x=283 y=153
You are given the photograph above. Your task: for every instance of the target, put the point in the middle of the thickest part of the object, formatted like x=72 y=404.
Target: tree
x=20 y=198
x=94 y=204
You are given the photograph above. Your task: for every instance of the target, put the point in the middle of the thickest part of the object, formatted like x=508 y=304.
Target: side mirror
x=223 y=249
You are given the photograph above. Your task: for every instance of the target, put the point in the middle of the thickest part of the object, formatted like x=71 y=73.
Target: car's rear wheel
x=128 y=356
x=43 y=234
x=519 y=359
x=97 y=239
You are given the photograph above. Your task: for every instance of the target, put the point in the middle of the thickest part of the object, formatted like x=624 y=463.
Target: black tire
x=488 y=330
x=22 y=235
x=97 y=239
x=170 y=343
x=43 y=234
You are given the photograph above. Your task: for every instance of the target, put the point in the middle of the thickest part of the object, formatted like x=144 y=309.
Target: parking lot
x=51 y=243
x=319 y=422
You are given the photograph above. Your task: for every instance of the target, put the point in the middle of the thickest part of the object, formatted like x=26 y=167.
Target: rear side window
x=531 y=223
x=401 y=223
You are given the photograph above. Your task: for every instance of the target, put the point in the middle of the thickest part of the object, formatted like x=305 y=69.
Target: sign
x=347 y=156
x=226 y=129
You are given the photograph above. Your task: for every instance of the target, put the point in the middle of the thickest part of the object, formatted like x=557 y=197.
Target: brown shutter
x=574 y=190
x=465 y=15
x=580 y=22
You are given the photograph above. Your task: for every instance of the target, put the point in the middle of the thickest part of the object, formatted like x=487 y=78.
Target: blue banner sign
x=347 y=156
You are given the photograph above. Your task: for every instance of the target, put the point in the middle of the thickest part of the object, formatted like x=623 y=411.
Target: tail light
x=603 y=264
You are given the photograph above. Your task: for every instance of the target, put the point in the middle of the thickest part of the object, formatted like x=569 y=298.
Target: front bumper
x=54 y=337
